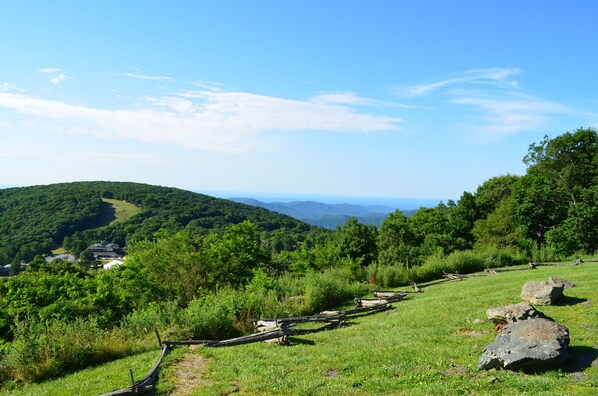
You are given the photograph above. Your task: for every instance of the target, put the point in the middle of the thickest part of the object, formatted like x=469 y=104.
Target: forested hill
x=34 y=220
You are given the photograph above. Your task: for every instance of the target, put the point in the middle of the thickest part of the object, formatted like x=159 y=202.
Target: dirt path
x=188 y=374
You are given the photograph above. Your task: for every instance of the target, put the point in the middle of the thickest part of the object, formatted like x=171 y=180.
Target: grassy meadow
x=428 y=344
x=120 y=210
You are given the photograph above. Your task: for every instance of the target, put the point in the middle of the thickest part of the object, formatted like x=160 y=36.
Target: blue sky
x=410 y=99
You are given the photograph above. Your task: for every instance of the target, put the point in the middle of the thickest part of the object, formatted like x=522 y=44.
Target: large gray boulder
x=530 y=345
x=512 y=313
x=542 y=293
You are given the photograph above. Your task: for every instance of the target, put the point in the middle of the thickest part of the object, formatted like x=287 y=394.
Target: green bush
x=217 y=315
x=387 y=276
x=465 y=262
x=331 y=288
x=165 y=317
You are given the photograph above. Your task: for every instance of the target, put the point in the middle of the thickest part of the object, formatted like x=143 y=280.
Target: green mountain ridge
x=34 y=220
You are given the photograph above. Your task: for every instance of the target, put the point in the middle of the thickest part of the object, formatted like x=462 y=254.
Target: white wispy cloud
x=6 y=87
x=51 y=70
x=476 y=76
x=57 y=79
x=56 y=75
x=206 y=120
x=352 y=99
x=146 y=77
x=209 y=85
x=493 y=104
x=507 y=113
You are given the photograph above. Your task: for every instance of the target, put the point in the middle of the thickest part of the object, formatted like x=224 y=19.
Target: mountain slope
x=34 y=220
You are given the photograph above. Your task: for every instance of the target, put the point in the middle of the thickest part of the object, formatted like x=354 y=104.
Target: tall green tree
x=396 y=241
x=462 y=217
x=560 y=173
x=234 y=254
x=176 y=265
x=499 y=229
x=357 y=241
x=492 y=192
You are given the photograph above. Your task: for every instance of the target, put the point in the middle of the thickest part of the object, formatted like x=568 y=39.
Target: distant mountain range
x=326 y=215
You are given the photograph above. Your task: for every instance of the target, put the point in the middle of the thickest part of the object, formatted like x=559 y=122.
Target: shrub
x=165 y=317
x=331 y=288
x=389 y=275
x=464 y=262
x=42 y=350
x=216 y=315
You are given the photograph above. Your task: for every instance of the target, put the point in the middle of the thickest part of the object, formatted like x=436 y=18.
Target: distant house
x=112 y=263
x=66 y=257
x=5 y=270
x=105 y=250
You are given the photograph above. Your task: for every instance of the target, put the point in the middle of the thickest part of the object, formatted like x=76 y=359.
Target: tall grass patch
x=42 y=350
x=331 y=288
x=435 y=266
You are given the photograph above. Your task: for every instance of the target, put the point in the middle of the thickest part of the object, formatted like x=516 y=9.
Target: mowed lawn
x=428 y=344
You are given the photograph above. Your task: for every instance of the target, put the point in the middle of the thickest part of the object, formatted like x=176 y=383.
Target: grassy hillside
x=121 y=210
x=428 y=344
x=93 y=381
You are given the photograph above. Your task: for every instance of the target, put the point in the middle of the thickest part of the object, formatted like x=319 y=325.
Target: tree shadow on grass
x=582 y=357
x=567 y=300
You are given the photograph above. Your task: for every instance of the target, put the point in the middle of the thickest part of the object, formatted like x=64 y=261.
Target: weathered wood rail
x=144 y=386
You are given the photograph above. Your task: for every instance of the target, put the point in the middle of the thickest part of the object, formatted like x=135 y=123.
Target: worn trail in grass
x=428 y=344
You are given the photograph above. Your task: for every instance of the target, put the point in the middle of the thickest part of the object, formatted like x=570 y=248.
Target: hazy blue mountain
x=326 y=215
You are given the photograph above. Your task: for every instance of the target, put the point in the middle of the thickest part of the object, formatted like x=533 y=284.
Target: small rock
x=567 y=284
x=512 y=313
x=541 y=293
x=478 y=321
x=533 y=344
x=577 y=377
x=493 y=380
x=333 y=373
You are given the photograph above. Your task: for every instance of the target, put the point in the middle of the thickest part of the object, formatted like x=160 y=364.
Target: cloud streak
x=56 y=75
x=146 y=77
x=352 y=99
x=497 y=106
x=477 y=76
x=206 y=120
x=508 y=114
